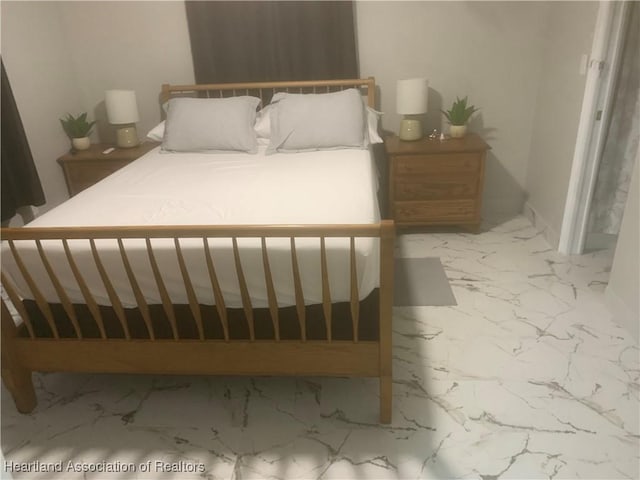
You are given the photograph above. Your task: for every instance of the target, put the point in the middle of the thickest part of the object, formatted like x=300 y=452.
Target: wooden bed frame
x=26 y=349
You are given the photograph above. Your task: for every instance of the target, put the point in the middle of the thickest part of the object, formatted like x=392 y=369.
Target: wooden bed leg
x=387 y=240
x=16 y=378
x=386 y=389
x=18 y=382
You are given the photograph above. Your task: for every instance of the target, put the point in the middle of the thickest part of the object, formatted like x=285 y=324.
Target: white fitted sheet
x=324 y=187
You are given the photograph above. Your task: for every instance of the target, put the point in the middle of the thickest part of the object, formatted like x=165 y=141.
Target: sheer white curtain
x=621 y=146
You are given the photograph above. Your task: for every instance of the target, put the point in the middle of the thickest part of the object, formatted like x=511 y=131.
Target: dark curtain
x=272 y=41
x=20 y=181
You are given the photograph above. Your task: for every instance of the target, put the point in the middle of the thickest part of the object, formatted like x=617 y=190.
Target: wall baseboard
x=622 y=314
x=541 y=225
x=501 y=209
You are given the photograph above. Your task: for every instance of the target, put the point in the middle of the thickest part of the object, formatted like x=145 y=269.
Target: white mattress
x=325 y=187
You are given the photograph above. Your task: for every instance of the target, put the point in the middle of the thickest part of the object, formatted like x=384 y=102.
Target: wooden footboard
x=25 y=349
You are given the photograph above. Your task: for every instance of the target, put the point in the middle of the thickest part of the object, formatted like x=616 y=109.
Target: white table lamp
x=411 y=99
x=122 y=111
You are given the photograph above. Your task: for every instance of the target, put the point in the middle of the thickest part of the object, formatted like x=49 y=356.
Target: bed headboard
x=266 y=90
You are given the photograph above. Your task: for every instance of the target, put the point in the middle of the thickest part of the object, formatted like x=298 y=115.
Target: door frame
x=602 y=71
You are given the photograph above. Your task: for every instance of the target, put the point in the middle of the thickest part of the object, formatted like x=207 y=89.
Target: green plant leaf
x=459 y=113
x=77 y=127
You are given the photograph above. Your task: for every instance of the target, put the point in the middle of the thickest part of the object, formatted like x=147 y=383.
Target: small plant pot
x=81 y=143
x=458 y=131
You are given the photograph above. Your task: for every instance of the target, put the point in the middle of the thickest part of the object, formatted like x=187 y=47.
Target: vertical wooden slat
x=217 y=291
x=191 y=293
x=142 y=304
x=113 y=296
x=17 y=303
x=326 y=291
x=355 y=301
x=244 y=291
x=37 y=295
x=164 y=294
x=271 y=292
x=165 y=96
x=298 y=291
x=387 y=236
x=371 y=93
x=86 y=293
x=62 y=295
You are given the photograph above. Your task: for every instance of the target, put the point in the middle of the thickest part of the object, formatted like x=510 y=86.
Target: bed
x=269 y=261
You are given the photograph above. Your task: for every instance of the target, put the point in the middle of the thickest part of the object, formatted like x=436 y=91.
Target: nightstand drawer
x=452 y=163
x=434 y=182
x=86 y=167
x=81 y=176
x=432 y=188
x=435 y=211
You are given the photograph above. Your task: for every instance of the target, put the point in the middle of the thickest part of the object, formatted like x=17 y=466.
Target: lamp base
x=410 y=130
x=127 y=137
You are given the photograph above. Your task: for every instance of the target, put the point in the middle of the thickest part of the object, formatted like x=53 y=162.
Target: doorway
x=603 y=72
x=620 y=143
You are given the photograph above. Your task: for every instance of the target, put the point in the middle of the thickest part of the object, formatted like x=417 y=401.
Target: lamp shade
x=411 y=96
x=121 y=106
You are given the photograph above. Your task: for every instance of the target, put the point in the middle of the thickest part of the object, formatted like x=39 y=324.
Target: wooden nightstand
x=434 y=182
x=83 y=168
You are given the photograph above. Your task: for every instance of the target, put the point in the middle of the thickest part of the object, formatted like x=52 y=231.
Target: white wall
x=36 y=55
x=128 y=45
x=623 y=290
x=62 y=56
x=490 y=51
x=568 y=35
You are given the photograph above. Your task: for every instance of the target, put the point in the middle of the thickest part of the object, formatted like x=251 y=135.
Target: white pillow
x=263 y=124
x=302 y=122
x=373 y=118
x=156 y=133
x=262 y=127
x=211 y=124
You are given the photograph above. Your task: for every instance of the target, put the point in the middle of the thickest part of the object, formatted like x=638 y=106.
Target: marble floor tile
x=526 y=377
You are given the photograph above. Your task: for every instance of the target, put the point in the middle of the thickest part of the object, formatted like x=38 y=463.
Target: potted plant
x=78 y=130
x=458 y=115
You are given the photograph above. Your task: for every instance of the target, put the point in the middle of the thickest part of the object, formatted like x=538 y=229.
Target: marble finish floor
x=527 y=377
